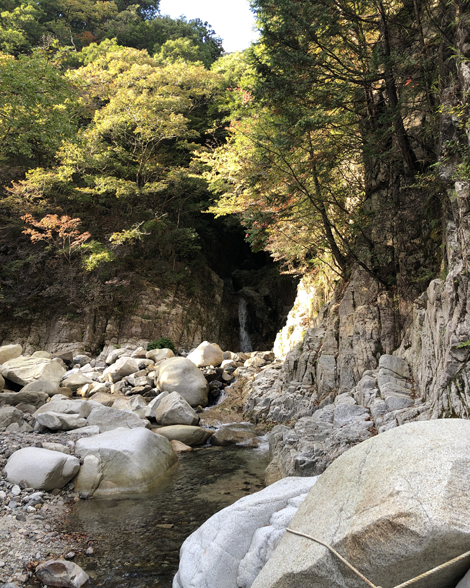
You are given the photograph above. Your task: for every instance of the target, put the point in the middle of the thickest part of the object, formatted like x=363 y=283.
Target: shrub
x=162 y=343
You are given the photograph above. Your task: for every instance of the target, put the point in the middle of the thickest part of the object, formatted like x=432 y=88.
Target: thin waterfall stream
x=245 y=341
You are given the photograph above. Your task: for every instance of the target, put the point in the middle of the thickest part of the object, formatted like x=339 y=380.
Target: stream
x=136 y=540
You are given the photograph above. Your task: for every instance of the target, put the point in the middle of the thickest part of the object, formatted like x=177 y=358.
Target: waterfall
x=245 y=341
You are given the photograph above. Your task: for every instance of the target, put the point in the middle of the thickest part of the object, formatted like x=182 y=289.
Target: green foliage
x=95 y=255
x=463 y=345
x=162 y=343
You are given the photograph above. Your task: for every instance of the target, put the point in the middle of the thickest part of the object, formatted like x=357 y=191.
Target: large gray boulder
x=179 y=374
x=206 y=354
x=107 y=419
x=230 y=548
x=394 y=506
x=122 y=461
x=174 y=410
x=189 y=435
x=23 y=370
x=40 y=468
x=8 y=352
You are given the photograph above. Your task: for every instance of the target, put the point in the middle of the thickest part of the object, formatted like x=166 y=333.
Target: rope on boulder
x=357 y=572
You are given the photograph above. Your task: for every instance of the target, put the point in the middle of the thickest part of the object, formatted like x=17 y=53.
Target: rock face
x=174 y=410
x=122 y=461
x=230 y=548
x=40 y=468
x=180 y=375
x=394 y=506
x=58 y=572
x=23 y=370
x=206 y=354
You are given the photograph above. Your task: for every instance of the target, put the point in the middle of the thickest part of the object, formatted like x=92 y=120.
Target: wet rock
x=230 y=435
x=61 y=573
x=188 y=435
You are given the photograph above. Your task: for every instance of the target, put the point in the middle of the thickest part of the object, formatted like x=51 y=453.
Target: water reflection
x=137 y=539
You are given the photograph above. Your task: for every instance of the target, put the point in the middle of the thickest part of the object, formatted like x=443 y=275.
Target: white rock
x=159 y=354
x=174 y=410
x=124 y=366
x=153 y=405
x=179 y=374
x=40 y=468
x=64 y=405
x=122 y=461
x=76 y=381
x=107 y=419
x=23 y=370
x=206 y=354
x=8 y=352
x=212 y=555
x=402 y=496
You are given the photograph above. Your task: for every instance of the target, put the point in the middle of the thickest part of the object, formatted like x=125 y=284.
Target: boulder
x=49 y=388
x=186 y=434
x=234 y=544
x=9 y=415
x=76 y=381
x=394 y=506
x=108 y=419
x=153 y=405
x=82 y=408
x=124 y=366
x=115 y=355
x=465 y=581
x=157 y=355
x=57 y=421
x=44 y=354
x=104 y=398
x=233 y=435
x=206 y=354
x=40 y=468
x=174 y=410
x=136 y=403
x=179 y=447
x=62 y=573
x=122 y=461
x=13 y=398
x=23 y=370
x=179 y=374
x=8 y=352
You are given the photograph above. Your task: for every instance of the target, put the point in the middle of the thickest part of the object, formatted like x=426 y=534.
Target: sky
x=230 y=19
